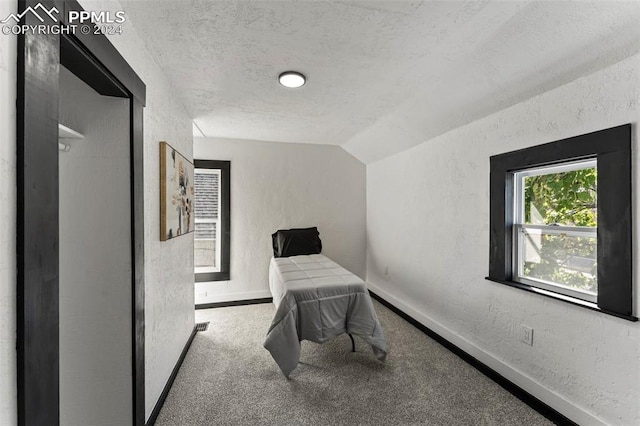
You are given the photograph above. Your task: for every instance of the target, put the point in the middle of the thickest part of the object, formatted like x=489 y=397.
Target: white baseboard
x=549 y=397
x=213 y=297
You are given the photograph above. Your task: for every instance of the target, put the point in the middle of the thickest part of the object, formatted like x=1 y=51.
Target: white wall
x=169 y=313
x=280 y=186
x=8 y=407
x=95 y=258
x=428 y=222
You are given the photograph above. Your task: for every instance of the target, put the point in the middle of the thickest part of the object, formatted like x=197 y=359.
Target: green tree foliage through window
x=566 y=199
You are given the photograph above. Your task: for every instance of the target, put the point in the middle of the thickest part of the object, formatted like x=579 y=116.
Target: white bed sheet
x=317 y=300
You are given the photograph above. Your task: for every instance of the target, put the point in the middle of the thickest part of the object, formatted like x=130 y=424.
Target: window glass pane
x=207 y=195
x=567 y=198
x=207 y=207
x=205 y=245
x=206 y=231
x=559 y=258
x=205 y=253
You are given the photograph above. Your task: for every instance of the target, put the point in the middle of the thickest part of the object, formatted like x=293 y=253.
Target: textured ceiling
x=382 y=76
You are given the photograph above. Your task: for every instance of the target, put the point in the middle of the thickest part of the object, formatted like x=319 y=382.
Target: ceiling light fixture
x=292 y=79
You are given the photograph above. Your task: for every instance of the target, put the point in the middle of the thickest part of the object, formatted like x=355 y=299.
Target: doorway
x=95 y=255
x=45 y=256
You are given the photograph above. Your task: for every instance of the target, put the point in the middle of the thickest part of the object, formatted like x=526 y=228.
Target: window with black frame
x=212 y=220
x=560 y=220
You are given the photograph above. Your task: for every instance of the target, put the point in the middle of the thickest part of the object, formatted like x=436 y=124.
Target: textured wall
x=169 y=314
x=428 y=223
x=95 y=258
x=8 y=415
x=283 y=185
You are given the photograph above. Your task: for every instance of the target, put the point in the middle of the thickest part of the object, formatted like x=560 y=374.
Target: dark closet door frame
x=94 y=60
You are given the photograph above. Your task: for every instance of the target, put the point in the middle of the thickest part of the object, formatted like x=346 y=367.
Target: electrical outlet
x=386 y=270
x=526 y=334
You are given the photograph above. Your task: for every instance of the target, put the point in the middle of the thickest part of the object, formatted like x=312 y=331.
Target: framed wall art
x=176 y=193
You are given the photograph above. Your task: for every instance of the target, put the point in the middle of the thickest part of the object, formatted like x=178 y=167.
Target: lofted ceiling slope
x=382 y=75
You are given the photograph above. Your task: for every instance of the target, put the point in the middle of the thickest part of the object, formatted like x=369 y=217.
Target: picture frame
x=176 y=194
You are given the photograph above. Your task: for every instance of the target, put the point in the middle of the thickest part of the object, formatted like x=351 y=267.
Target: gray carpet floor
x=228 y=378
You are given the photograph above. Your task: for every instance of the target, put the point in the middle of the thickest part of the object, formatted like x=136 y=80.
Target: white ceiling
x=382 y=75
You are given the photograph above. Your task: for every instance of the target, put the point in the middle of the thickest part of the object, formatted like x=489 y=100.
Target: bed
x=316 y=299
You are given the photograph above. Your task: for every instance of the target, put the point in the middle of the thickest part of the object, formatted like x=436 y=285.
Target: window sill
x=211 y=276
x=562 y=297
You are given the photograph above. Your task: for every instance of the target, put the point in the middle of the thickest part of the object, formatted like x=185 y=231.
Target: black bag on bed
x=295 y=242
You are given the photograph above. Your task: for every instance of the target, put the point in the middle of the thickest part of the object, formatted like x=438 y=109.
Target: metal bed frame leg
x=353 y=343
